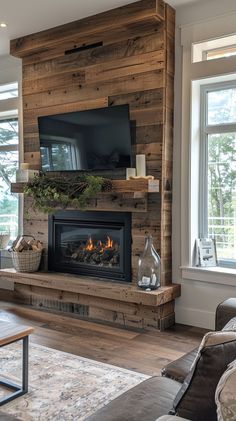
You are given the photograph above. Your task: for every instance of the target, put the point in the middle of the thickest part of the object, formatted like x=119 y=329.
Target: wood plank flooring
x=145 y=352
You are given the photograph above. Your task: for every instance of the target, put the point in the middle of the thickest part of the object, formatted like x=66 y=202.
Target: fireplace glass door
x=98 y=247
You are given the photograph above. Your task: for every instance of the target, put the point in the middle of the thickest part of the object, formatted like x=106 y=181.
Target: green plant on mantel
x=50 y=192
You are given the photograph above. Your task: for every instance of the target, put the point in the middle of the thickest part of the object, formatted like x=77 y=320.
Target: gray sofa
x=178 y=390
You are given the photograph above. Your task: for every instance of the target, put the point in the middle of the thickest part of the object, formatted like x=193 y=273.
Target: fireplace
x=96 y=244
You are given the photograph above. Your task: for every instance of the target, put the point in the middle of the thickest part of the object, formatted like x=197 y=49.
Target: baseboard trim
x=195 y=317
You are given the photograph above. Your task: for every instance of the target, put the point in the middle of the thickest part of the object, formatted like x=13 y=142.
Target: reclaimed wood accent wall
x=122 y=56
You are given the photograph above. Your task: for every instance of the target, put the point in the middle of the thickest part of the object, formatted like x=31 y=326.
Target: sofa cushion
x=179 y=369
x=196 y=398
x=146 y=401
x=226 y=395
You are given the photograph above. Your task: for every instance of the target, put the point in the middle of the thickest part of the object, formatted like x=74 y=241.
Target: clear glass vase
x=149 y=267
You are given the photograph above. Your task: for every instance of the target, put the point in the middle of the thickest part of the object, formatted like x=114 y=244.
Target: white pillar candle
x=24 y=166
x=130 y=172
x=141 y=165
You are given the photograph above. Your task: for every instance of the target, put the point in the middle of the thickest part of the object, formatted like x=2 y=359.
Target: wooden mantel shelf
x=118 y=186
x=128 y=293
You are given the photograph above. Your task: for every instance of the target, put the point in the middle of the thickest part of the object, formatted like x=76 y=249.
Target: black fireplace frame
x=109 y=219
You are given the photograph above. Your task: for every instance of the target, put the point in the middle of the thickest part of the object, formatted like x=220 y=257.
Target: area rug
x=62 y=386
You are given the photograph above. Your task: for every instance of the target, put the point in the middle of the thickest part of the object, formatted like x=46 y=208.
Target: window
x=9 y=90
x=58 y=155
x=220 y=53
x=9 y=159
x=218 y=169
x=214 y=49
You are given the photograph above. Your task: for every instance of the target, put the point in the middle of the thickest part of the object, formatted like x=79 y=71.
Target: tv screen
x=98 y=139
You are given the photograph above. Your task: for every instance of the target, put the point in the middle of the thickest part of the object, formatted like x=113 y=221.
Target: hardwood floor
x=145 y=352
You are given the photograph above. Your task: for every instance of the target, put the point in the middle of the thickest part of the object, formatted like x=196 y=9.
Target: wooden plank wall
x=135 y=66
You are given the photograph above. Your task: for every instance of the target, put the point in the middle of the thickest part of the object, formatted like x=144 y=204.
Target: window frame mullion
x=9 y=148
x=203 y=166
x=223 y=128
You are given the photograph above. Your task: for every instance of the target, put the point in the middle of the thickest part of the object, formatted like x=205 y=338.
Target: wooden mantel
x=118 y=186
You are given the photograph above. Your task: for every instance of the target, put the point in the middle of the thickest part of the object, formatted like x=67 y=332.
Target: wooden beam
x=106 y=21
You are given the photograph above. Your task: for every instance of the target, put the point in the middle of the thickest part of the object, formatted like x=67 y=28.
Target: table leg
x=17 y=389
x=25 y=362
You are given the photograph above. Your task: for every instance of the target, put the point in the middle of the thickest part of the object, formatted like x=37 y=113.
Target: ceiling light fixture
x=3 y=25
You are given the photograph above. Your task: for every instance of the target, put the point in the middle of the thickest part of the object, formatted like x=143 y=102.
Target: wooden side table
x=9 y=333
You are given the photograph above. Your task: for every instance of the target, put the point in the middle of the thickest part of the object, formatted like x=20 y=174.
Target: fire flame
x=102 y=246
x=89 y=245
x=109 y=243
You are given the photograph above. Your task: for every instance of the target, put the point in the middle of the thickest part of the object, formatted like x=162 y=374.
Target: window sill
x=214 y=275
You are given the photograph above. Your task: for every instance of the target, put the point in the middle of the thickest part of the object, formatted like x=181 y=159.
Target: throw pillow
x=196 y=398
x=226 y=395
x=231 y=325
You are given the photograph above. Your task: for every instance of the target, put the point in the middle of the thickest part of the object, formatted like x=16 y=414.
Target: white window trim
x=5 y=117
x=12 y=108
x=192 y=72
x=200 y=49
x=212 y=275
x=207 y=129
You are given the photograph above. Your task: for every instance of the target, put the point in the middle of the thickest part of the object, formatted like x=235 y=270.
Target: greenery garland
x=50 y=192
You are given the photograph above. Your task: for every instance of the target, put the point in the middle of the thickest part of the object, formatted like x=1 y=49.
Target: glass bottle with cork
x=149 y=267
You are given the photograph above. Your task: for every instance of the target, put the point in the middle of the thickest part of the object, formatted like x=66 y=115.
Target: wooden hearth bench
x=10 y=333
x=115 y=302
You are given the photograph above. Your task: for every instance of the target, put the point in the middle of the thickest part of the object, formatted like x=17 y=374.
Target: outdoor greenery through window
x=9 y=158
x=218 y=169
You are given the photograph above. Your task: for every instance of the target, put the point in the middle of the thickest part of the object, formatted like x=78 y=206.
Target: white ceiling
x=24 y=17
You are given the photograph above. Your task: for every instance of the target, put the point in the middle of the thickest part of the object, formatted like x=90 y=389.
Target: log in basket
x=26 y=260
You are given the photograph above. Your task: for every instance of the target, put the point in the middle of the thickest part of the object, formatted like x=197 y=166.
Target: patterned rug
x=62 y=387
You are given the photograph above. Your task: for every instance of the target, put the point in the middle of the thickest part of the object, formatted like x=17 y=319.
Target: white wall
x=203 y=10
x=199 y=298
x=10 y=69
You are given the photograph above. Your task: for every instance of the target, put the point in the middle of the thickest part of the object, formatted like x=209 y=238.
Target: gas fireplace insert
x=96 y=244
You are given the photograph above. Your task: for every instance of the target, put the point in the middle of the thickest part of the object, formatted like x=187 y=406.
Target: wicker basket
x=26 y=261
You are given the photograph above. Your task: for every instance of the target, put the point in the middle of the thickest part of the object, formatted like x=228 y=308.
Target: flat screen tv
x=98 y=139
